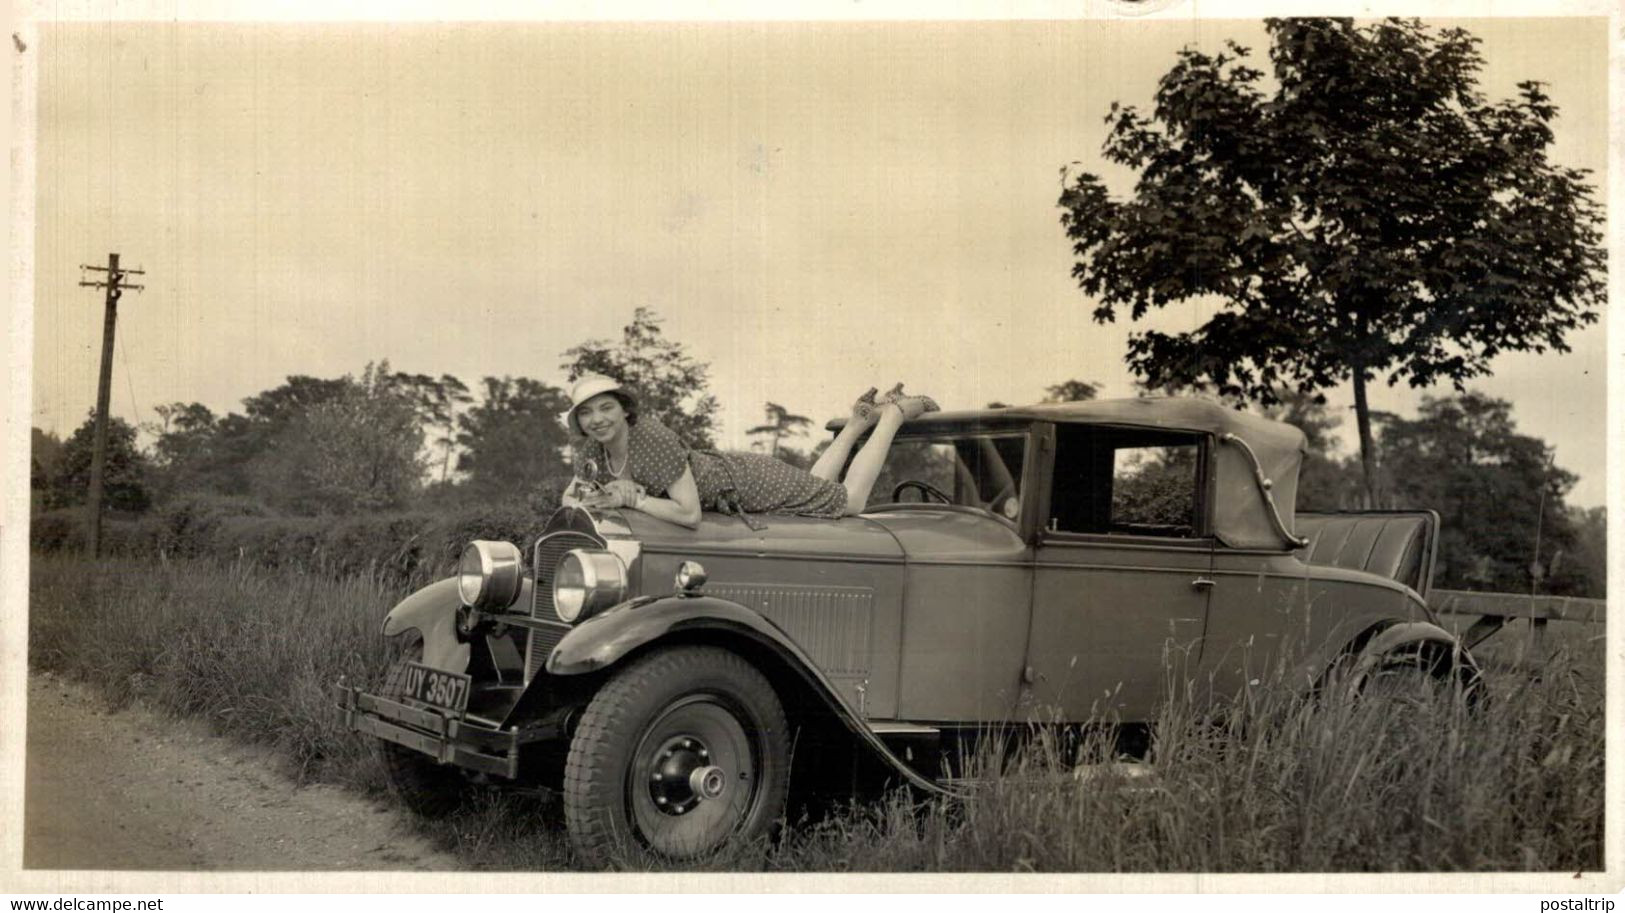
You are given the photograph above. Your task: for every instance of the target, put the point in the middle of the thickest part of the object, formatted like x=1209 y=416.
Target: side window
x=1154 y=490
x=1127 y=482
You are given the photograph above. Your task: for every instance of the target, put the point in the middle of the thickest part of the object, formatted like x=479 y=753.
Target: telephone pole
x=115 y=286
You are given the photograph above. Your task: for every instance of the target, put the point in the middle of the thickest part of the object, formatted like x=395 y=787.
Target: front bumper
x=460 y=741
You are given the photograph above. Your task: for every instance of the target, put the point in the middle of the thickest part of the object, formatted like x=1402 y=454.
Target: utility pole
x=115 y=286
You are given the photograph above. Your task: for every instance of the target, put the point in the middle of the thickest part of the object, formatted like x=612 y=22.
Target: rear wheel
x=425 y=786
x=680 y=754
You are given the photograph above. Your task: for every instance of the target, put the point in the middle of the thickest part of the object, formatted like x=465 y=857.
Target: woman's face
x=602 y=417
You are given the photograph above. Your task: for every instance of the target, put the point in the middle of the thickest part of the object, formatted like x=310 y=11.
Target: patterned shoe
x=916 y=406
x=866 y=411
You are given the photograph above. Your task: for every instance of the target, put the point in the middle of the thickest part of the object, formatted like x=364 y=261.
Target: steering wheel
x=927 y=491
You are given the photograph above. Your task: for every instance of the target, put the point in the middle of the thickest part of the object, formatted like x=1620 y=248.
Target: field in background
x=1413 y=783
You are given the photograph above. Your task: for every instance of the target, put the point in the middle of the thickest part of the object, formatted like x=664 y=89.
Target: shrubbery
x=404 y=548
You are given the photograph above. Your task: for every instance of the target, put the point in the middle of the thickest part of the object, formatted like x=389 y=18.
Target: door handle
x=1202 y=583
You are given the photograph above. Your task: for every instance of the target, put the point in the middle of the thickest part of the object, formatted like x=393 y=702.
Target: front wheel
x=679 y=754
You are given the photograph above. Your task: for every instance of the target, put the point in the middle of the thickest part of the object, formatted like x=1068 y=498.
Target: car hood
x=937 y=533
x=857 y=537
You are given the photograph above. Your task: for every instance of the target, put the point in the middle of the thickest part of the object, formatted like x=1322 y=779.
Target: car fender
x=603 y=640
x=1383 y=640
x=432 y=611
x=1407 y=633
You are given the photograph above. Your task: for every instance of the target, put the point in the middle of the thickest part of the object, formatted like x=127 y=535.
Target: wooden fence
x=1493 y=611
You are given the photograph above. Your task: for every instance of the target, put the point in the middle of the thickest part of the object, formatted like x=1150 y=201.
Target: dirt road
x=131 y=790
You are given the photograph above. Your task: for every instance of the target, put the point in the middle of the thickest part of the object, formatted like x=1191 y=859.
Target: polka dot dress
x=760 y=484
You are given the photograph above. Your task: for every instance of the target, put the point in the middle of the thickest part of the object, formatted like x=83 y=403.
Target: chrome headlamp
x=587 y=581
x=489 y=574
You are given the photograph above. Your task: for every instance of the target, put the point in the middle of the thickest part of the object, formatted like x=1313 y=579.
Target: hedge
x=407 y=547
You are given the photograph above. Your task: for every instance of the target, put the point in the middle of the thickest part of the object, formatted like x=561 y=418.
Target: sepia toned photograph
x=1142 y=444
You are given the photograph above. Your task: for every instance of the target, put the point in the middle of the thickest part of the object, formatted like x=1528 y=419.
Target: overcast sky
x=813 y=208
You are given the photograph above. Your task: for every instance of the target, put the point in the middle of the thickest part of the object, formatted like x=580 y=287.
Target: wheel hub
x=683 y=776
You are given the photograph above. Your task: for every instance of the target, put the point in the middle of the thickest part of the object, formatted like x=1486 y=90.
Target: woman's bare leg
x=865 y=468
x=864 y=413
x=834 y=456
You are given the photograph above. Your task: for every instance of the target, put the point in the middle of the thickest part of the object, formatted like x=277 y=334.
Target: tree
x=1590 y=548
x=124 y=480
x=669 y=383
x=1496 y=492
x=1370 y=214
x=437 y=401
x=1071 y=391
x=781 y=423
x=184 y=453
x=355 y=451
x=513 y=441
x=45 y=458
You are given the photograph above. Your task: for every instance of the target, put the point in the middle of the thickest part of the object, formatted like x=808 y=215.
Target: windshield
x=974 y=470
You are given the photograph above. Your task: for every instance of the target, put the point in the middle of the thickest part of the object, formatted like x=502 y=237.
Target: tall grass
x=252 y=652
x=1410 y=781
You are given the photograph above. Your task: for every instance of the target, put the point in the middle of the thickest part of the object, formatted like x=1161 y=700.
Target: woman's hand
x=623 y=493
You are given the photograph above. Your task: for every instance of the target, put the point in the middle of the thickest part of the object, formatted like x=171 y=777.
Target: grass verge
x=1412 y=782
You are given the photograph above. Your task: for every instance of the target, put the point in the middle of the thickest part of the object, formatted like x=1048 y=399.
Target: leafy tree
x=1590 y=548
x=513 y=441
x=1366 y=213
x=670 y=384
x=45 y=459
x=124 y=478
x=185 y=451
x=1071 y=391
x=781 y=423
x=1495 y=491
x=437 y=400
x=355 y=451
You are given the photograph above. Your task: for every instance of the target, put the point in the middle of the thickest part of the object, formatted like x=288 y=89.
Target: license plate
x=446 y=690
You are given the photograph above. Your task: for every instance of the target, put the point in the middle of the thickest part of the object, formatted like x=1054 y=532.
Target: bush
x=401 y=549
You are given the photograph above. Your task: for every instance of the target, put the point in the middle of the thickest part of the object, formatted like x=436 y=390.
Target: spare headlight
x=489 y=574
x=587 y=581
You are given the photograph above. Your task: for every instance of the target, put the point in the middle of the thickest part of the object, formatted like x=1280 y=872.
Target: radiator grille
x=549 y=549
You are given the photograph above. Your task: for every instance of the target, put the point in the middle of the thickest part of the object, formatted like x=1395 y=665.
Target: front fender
x=432 y=611
x=603 y=640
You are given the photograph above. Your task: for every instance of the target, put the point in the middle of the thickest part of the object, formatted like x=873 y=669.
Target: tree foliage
x=437 y=400
x=1366 y=213
x=124 y=477
x=354 y=451
x=669 y=383
x=513 y=440
x=1496 y=491
x=781 y=423
x=1071 y=391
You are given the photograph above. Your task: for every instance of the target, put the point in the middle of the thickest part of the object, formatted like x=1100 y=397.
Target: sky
x=813 y=208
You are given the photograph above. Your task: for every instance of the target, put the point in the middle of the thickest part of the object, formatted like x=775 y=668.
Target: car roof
x=1241 y=512
x=1172 y=413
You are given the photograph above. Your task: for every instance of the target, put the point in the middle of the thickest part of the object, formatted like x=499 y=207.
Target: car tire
x=428 y=788
x=681 y=754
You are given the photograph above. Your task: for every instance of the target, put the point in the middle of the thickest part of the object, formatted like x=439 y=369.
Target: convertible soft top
x=1240 y=513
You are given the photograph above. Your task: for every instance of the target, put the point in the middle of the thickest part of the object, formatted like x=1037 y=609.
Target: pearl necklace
x=610 y=459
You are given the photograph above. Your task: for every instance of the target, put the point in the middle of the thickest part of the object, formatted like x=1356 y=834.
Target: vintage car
x=1052 y=564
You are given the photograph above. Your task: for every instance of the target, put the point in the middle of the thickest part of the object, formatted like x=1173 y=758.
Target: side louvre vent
x=831 y=623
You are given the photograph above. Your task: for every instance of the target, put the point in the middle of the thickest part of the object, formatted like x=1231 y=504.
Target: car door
x=1121 y=573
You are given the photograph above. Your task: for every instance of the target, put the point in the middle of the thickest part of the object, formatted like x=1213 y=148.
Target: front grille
x=549 y=549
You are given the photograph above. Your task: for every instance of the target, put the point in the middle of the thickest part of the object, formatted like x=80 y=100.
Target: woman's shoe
x=865 y=410
x=892 y=395
x=915 y=406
